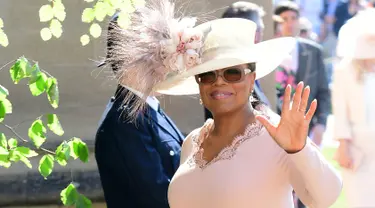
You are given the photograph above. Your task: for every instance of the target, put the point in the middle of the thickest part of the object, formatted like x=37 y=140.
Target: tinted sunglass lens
x=233 y=75
x=208 y=77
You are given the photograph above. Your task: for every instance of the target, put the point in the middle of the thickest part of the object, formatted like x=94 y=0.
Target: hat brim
x=267 y=55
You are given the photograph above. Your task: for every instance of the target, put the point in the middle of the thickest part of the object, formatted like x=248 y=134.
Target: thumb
x=267 y=124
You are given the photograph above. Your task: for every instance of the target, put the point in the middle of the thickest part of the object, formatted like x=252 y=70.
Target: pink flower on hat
x=191 y=58
x=181 y=51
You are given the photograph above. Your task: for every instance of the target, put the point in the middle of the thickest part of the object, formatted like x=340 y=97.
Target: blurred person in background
x=306 y=31
x=344 y=11
x=305 y=64
x=353 y=100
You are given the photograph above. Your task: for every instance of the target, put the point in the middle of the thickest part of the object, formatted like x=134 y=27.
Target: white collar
x=151 y=101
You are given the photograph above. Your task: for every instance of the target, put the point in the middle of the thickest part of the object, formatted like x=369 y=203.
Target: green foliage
x=3 y=37
x=106 y=8
x=70 y=196
x=13 y=150
x=54 y=13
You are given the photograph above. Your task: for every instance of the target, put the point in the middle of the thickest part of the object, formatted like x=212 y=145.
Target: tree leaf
x=69 y=195
x=85 y=39
x=15 y=155
x=95 y=30
x=19 y=69
x=54 y=124
x=4 y=158
x=3 y=39
x=3 y=141
x=12 y=143
x=79 y=150
x=25 y=160
x=126 y=7
x=46 y=165
x=37 y=133
x=56 y=28
x=100 y=10
x=46 y=34
x=53 y=92
x=59 y=10
x=38 y=84
x=3 y=92
x=45 y=13
x=5 y=108
x=33 y=71
x=62 y=153
x=27 y=152
x=83 y=202
x=88 y=15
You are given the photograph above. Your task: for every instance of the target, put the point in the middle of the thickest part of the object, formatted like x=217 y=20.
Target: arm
x=342 y=129
x=144 y=165
x=314 y=180
x=323 y=95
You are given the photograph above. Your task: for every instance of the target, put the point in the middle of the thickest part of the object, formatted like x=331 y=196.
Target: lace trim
x=227 y=153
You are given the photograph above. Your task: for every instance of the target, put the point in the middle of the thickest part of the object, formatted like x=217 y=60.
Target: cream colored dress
x=254 y=172
x=354 y=114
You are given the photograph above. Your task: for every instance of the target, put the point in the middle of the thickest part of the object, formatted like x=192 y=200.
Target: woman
x=353 y=99
x=244 y=157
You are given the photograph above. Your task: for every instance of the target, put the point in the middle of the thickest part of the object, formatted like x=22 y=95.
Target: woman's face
x=222 y=97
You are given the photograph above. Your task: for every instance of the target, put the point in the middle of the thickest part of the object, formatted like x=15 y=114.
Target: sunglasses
x=230 y=75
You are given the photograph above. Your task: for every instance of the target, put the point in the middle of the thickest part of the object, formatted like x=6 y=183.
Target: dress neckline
x=252 y=130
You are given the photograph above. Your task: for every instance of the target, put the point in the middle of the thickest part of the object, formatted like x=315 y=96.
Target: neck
x=234 y=123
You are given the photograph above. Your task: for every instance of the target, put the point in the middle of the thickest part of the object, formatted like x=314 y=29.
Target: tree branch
x=24 y=140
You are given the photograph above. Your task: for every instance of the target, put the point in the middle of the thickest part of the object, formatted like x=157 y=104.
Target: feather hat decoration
x=156 y=45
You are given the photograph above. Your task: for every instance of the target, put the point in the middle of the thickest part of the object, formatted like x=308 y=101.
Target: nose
x=220 y=81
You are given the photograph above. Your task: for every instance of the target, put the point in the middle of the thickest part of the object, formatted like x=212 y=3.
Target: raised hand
x=291 y=132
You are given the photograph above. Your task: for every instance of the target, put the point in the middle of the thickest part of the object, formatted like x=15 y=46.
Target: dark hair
x=286 y=6
x=245 y=10
x=110 y=41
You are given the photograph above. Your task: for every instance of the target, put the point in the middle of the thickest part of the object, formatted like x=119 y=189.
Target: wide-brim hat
x=356 y=37
x=229 y=42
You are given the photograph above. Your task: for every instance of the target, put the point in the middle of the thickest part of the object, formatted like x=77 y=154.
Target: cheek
x=202 y=90
x=243 y=90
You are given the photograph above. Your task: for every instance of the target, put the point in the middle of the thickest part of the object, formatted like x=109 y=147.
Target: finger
x=297 y=97
x=286 y=101
x=311 y=111
x=305 y=99
x=267 y=124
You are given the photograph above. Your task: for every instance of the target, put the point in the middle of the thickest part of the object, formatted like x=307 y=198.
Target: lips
x=219 y=95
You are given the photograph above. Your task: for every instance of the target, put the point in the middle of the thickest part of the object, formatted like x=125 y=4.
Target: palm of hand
x=291 y=132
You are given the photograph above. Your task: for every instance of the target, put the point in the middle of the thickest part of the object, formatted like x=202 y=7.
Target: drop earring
x=200 y=101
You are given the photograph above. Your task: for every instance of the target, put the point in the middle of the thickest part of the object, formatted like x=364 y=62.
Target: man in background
x=305 y=64
x=136 y=159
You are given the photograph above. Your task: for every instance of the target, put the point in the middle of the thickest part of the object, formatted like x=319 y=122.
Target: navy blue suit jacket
x=137 y=160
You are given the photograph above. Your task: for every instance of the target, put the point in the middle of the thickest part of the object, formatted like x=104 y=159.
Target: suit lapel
x=304 y=63
x=162 y=121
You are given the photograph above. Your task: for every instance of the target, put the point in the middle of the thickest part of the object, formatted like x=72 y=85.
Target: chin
x=222 y=110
